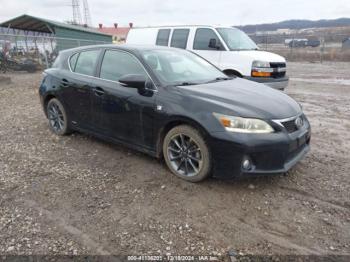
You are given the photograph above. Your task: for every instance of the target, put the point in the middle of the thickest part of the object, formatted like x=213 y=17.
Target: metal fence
x=306 y=47
x=32 y=53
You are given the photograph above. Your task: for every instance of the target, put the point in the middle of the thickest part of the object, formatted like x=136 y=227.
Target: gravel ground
x=80 y=195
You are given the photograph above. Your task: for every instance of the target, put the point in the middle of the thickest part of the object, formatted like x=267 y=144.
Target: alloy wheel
x=56 y=117
x=184 y=155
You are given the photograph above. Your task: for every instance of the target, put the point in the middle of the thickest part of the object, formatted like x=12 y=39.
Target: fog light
x=246 y=164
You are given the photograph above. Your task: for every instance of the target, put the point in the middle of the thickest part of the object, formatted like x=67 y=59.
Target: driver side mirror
x=143 y=84
x=133 y=81
x=213 y=44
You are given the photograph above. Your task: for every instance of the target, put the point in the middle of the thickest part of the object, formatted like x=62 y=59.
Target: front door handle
x=99 y=91
x=64 y=82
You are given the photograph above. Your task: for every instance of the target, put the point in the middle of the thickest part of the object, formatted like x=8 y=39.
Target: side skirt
x=142 y=149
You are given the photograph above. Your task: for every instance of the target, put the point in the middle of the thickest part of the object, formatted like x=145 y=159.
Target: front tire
x=58 y=120
x=187 y=154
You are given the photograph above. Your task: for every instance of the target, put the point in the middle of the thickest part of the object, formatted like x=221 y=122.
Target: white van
x=228 y=48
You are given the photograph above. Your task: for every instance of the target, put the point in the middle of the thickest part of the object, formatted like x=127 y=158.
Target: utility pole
x=76 y=12
x=87 y=16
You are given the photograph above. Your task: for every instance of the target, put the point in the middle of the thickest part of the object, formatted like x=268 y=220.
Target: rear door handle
x=99 y=91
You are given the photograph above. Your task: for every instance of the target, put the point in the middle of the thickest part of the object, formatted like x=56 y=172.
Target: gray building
x=62 y=33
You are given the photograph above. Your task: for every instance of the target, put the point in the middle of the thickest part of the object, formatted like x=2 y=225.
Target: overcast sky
x=162 y=12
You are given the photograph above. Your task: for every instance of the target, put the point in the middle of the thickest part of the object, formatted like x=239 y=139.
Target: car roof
x=125 y=47
x=181 y=26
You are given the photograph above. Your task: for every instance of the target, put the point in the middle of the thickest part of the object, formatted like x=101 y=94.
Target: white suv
x=228 y=48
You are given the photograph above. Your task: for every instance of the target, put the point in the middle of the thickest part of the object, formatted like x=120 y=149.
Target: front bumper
x=273 y=153
x=277 y=83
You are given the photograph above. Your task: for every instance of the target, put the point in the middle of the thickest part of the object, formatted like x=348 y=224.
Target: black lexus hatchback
x=174 y=104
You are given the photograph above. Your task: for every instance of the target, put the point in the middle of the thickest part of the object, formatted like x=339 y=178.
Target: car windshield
x=180 y=67
x=236 y=39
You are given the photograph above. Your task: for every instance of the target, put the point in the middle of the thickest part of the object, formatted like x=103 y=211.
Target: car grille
x=290 y=126
x=276 y=74
x=276 y=65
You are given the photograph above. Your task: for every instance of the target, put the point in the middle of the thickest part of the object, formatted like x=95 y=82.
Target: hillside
x=296 y=24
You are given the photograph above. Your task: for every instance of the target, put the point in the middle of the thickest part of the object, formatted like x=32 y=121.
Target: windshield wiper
x=220 y=79
x=187 y=84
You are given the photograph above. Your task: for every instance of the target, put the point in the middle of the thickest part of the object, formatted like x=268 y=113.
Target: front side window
x=116 y=64
x=179 y=38
x=203 y=37
x=86 y=62
x=163 y=37
x=236 y=39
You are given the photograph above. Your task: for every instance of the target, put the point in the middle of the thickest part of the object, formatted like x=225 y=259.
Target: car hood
x=262 y=56
x=244 y=98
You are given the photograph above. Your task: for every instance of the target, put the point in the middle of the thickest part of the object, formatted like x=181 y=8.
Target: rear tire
x=58 y=120
x=187 y=154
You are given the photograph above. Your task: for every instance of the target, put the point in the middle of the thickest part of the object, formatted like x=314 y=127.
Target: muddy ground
x=80 y=195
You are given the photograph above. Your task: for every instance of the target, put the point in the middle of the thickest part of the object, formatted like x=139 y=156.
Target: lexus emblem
x=299 y=122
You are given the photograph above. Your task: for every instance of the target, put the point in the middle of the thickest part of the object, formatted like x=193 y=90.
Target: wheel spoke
x=61 y=122
x=54 y=110
x=186 y=167
x=194 y=150
x=176 y=143
x=194 y=158
x=195 y=169
x=183 y=144
x=60 y=118
x=180 y=165
x=50 y=112
x=60 y=126
x=174 y=150
x=175 y=158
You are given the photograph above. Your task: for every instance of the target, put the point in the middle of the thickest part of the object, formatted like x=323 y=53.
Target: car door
x=120 y=112
x=77 y=87
x=202 y=47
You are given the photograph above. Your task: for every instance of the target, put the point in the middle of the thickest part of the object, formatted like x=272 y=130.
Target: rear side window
x=202 y=38
x=73 y=61
x=86 y=62
x=179 y=38
x=116 y=64
x=163 y=37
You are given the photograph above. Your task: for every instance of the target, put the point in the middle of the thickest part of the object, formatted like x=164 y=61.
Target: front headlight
x=261 y=69
x=244 y=125
x=261 y=64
